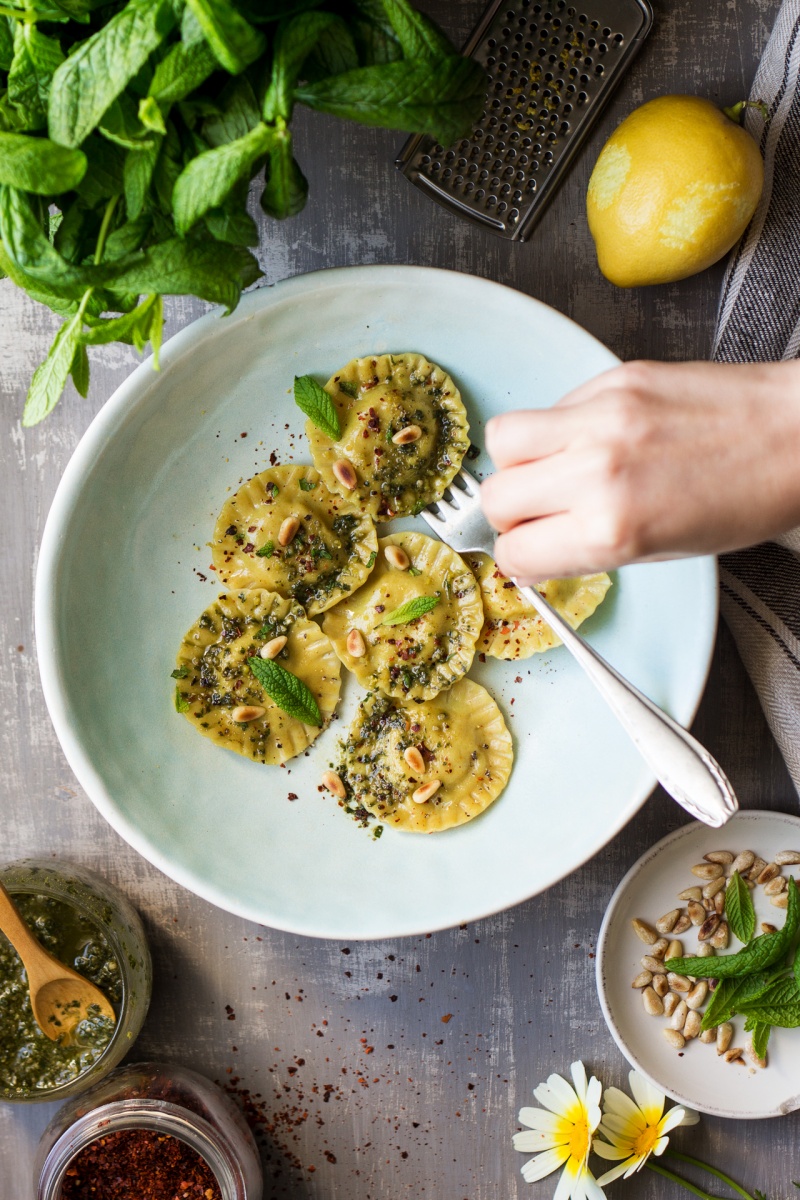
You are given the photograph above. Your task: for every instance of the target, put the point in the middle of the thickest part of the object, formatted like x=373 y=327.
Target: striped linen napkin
x=759 y=320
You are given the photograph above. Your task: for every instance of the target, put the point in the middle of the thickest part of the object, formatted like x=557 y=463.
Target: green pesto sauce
x=29 y=1061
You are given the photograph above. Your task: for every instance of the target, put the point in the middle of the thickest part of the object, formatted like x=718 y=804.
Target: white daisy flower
x=636 y=1130
x=562 y=1133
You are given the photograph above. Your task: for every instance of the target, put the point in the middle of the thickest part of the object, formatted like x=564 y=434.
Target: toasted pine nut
x=273 y=647
x=733 y=1054
x=288 y=529
x=345 y=473
x=411 y=433
x=333 y=783
x=675 y=1038
x=708 y=1035
x=697 y=995
x=426 y=791
x=755 y=1058
x=671 y=1002
x=705 y=949
x=714 y=886
x=397 y=558
x=708 y=870
x=678 y=983
x=644 y=931
x=719 y=856
x=709 y=905
x=719 y=903
x=743 y=862
x=651 y=964
x=682 y=924
x=643 y=979
x=720 y=938
x=757 y=868
x=781 y=900
x=775 y=886
x=724 y=1035
x=691 y=1026
x=660 y=985
x=653 y=1004
x=787 y=858
x=356 y=647
x=692 y=893
x=666 y=923
x=679 y=1015
x=768 y=927
x=697 y=914
x=413 y=757
x=674 y=950
x=244 y=713
x=770 y=871
x=659 y=949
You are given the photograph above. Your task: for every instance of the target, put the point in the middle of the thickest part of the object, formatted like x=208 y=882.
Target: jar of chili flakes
x=150 y=1131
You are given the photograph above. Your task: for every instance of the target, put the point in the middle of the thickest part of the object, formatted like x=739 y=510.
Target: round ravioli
x=378 y=635
x=459 y=736
x=215 y=683
x=329 y=554
x=512 y=628
x=404 y=433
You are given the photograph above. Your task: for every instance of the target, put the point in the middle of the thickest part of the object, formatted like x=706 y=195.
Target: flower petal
x=591 y=1186
x=690 y=1117
x=559 y=1097
x=594 y=1094
x=578 y=1072
x=613 y=1174
x=531 y=1141
x=568 y=1183
x=547 y=1122
x=660 y=1146
x=623 y=1127
x=612 y=1153
x=544 y=1164
x=650 y=1100
x=671 y=1120
x=618 y=1103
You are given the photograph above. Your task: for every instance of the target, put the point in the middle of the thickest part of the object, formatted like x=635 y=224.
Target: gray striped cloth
x=759 y=321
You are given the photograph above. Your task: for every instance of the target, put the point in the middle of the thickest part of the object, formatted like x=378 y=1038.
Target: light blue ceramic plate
x=121 y=578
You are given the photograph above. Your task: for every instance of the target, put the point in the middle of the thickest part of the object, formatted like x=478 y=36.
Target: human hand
x=645 y=462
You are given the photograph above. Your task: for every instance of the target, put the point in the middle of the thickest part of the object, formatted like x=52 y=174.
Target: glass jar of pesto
x=88 y=924
x=136 y=1127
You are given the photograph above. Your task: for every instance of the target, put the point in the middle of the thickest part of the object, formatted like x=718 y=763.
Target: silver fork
x=683 y=767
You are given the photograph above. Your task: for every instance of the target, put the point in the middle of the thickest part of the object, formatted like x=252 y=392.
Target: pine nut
x=426 y=791
x=781 y=900
x=733 y=1054
x=659 y=949
x=757 y=868
x=724 y=1035
x=675 y=1038
x=719 y=903
x=397 y=558
x=643 y=979
x=709 y=905
x=678 y=1018
x=708 y=1035
x=767 y=927
x=678 y=983
x=770 y=871
x=787 y=858
x=682 y=924
x=720 y=938
x=698 y=994
x=755 y=1058
x=651 y=964
x=719 y=856
x=775 y=886
x=674 y=950
x=416 y=762
x=333 y=783
x=697 y=914
x=743 y=862
x=692 y=893
x=691 y=1027
x=666 y=923
x=708 y=870
x=273 y=647
x=705 y=950
x=411 y=433
x=244 y=713
x=716 y=885
x=653 y=1004
x=356 y=646
x=345 y=473
x=660 y=985
x=671 y=1002
x=644 y=931
x=288 y=529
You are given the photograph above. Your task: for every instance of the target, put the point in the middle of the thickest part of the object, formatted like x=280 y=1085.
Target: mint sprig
x=739 y=908
x=417 y=607
x=315 y=402
x=286 y=690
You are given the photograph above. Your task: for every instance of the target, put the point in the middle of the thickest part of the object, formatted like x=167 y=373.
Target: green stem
x=17 y=14
x=683 y=1182
x=736 y=111
x=103 y=234
x=695 y=1162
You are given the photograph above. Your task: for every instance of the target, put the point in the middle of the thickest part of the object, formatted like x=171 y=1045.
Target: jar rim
x=161 y=1116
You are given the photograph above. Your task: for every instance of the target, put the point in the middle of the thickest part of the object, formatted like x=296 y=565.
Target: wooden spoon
x=60 y=997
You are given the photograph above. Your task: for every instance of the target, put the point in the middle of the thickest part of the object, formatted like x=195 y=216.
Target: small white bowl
x=695 y=1076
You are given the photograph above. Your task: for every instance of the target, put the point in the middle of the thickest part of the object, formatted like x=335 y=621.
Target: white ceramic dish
x=696 y=1076
x=121 y=578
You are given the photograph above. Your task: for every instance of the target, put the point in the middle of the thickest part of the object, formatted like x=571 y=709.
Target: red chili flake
x=249 y=548
x=139 y=1164
x=292 y=796
x=447 y=1017
x=379 y=608
x=509 y=584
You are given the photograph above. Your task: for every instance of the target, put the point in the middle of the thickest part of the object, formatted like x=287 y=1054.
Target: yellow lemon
x=673 y=189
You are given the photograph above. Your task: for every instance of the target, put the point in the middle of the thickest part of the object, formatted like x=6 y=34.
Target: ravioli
x=214 y=678
x=328 y=556
x=512 y=628
x=463 y=741
x=417 y=659
x=379 y=399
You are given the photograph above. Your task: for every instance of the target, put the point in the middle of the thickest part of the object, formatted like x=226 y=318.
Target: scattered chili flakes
x=447 y=1017
x=139 y=1164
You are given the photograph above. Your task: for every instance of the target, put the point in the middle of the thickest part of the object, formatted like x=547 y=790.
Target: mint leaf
x=182 y=70
x=286 y=690
x=416 y=607
x=266 y=550
x=182 y=268
x=761 y=1032
x=180 y=672
x=35 y=164
x=133 y=328
x=294 y=42
x=50 y=377
x=286 y=188
x=181 y=703
x=739 y=908
x=417 y=34
x=373 y=558
x=349 y=389
x=233 y=40
x=315 y=402
x=307 y=485
x=79 y=370
x=36 y=59
x=413 y=571
x=209 y=178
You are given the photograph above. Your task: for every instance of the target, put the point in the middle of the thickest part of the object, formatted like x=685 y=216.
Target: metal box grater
x=551 y=70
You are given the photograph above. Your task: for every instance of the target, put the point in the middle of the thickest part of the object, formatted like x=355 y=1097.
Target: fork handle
x=683 y=767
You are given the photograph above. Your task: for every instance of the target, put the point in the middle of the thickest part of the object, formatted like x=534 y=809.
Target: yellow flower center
x=646 y=1140
x=579 y=1140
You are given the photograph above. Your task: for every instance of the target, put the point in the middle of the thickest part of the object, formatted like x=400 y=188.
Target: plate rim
x=135 y=391
x=748 y=814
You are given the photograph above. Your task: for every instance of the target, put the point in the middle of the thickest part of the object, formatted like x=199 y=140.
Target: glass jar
x=167 y=1100
x=118 y=961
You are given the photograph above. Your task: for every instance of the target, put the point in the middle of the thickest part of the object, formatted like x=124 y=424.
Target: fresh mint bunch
x=130 y=133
